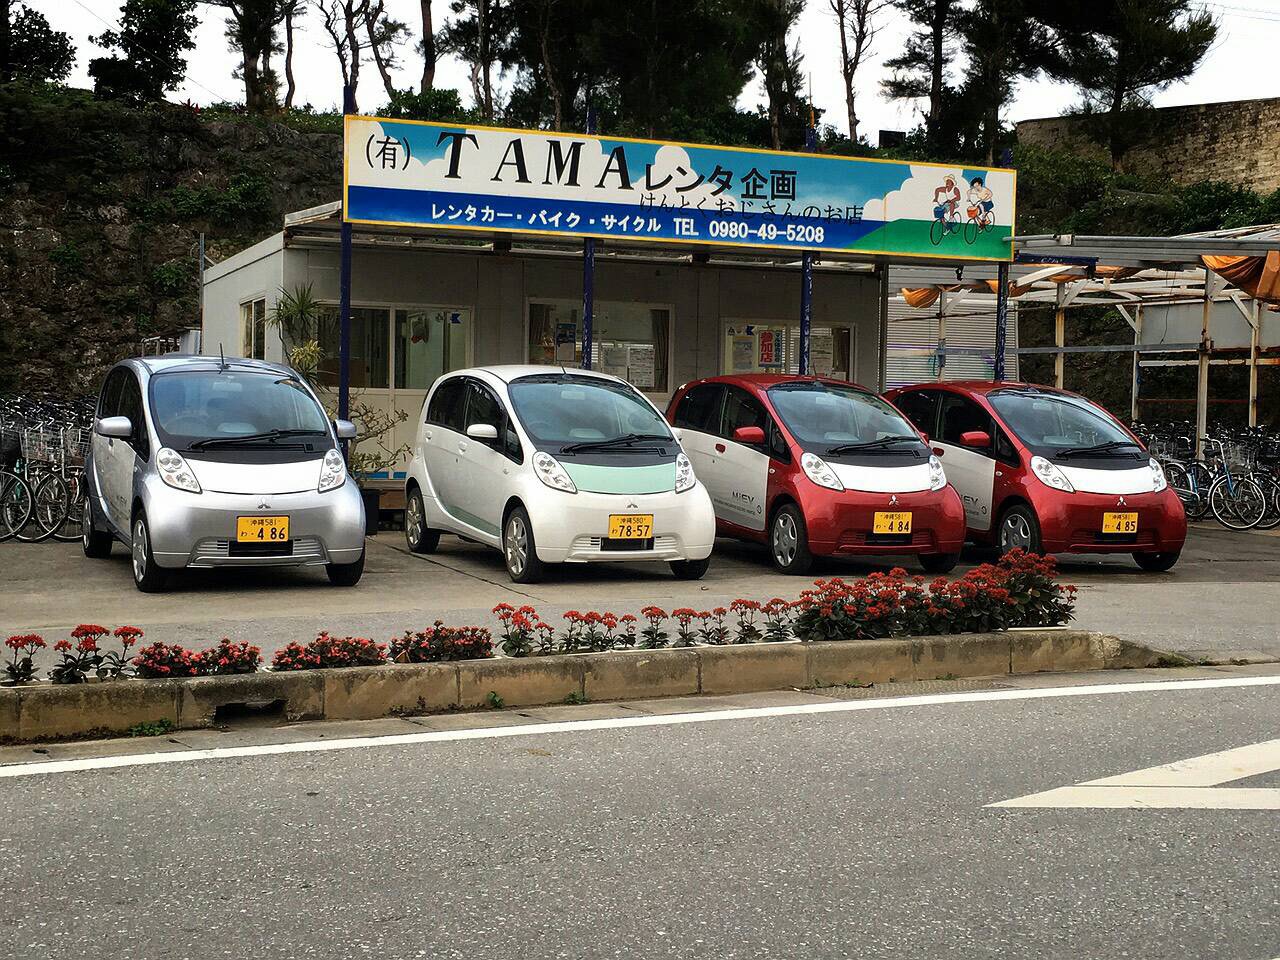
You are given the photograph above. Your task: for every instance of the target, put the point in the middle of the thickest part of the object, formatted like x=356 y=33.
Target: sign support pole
x=1002 y=319
x=588 y=277
x=344 y=297
x=806 y=309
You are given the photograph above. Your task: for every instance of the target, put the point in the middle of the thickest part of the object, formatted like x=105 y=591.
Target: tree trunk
x=1115 y=142
x=371 y=28
x=935 y=78
x=249 y=67
x=846 y=66
x=352 y=13
x=428 y=47
x=557 y=98
x=6 y=47
x=290 y=86
x=482 y=13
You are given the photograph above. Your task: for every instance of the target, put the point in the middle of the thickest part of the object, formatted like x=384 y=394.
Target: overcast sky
x=1241 y=65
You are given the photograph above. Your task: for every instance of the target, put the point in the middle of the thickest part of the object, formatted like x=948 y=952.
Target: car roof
x=766 y=380
x=507 y=372
x=984 y=387
x=177 y=361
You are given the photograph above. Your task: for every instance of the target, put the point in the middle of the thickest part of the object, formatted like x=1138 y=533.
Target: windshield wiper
x=625 y=440
x=250 y=438
x=871 y=444
x=1098 y=448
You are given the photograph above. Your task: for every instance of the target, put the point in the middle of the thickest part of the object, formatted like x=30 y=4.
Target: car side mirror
x=976 y=438
x=924 y=437
x=482 y=431
x=117 y=427
x=754 y=436
x=345 y=429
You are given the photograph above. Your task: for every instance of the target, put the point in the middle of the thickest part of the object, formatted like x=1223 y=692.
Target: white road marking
x=1190 y=784
x=12 y=771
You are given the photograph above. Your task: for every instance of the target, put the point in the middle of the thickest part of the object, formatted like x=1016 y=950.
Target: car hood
x=594 y=478
x=1138 y=480
x=255 y=478
x=907 y=478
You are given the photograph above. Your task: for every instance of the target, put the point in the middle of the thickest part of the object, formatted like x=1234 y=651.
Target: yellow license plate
x=891 y=521
x=630 y=526
x=262 y=529
x=1119 y=523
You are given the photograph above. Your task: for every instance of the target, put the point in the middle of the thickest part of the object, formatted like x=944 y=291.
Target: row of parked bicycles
x=1236 y=479
x=43 y=446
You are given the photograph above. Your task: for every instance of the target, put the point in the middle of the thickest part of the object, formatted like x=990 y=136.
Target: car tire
x=519 y=550
x=1154 y=562
x=789 y=542
x=346 y=574
x=417 y=535
x=939 y=562
x=1019 y=528
x=95 y=543
x=690 y=569
x=147 y=574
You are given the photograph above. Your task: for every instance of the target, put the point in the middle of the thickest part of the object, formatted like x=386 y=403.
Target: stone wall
x=1237 y=141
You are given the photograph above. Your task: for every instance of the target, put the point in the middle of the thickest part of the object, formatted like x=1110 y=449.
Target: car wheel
x=789 y=542
x=518 y=549
x=346 y=574
x=96 y=543
x=147 y=575
x=1157 y=562
x=417 y=535
x=1019 y=528
x=690 y=569
x=939 y=562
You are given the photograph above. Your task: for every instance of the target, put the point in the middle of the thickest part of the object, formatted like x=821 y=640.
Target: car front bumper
x=842 y=524
x=1072 y=523
x=574 y=528
x=199 y=530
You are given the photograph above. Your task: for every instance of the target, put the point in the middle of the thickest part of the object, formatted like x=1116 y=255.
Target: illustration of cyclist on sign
x=980 y=211
x=946 y=210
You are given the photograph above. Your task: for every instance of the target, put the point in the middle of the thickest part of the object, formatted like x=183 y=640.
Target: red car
x=817 y=467
x=1048 y=471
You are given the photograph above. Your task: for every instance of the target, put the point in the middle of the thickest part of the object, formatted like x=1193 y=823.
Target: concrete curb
x=42 y=712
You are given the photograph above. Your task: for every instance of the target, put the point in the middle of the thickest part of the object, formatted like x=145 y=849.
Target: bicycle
x=978 y=222
x=946 y=220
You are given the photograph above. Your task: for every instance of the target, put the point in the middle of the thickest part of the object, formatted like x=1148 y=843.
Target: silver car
x=202 y=462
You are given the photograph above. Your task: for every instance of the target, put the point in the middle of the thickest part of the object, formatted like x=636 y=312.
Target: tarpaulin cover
x=1257 y=276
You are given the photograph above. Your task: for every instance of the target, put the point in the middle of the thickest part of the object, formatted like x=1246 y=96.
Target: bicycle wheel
x=971 y=231
x=48 y=510
x=1271 y=488
x=1201 y=478
x=1237 y=505
x=71 y=527
x=15 y=504
x=936 y=232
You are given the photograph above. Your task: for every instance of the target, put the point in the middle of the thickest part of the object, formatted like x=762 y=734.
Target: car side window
x=484 y=407
x=131 y=407
x=741 y=409
x=109 y=402
x=959 y=416
x=779 y=449
x=448 y=404
x=699 y=408
x=921 y=408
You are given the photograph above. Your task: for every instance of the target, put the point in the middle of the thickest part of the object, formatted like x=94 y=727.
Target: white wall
x=252 y=273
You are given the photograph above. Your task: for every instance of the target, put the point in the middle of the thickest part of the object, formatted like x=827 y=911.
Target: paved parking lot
x=1222 y=600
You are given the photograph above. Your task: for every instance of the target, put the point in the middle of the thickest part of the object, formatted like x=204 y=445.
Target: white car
x=554 y=465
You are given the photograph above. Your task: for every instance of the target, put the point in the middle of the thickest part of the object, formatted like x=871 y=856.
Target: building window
x=370 y=348
x=253 y=328
x=428 y=343
x=629 y=340
x=773 y=347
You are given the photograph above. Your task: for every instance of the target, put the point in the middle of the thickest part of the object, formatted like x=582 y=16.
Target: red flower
x=62 y=646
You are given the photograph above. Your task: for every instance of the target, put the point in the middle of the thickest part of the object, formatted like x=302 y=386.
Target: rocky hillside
x=101 y=207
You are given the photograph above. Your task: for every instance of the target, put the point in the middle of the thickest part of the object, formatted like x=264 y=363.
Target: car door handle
x=719 y=448
x=461 y=447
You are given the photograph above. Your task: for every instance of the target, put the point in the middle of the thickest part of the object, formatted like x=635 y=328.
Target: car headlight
x=1050 y=475
x=333 y=471
x=1158 y=479
x=685 y=480
x=817 y=470
x=551 y=473
x=937 y=476
x=175 y=471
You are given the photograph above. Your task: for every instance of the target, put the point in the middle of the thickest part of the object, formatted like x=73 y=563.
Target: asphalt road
x=1221 y=601
x=861 y=833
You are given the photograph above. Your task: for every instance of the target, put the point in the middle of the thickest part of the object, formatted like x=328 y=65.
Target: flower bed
x=1020 y=590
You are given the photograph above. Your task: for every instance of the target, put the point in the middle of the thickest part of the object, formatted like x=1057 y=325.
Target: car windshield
x=1055 y=424
x=572 y=413
x=196 y=409
x=829 y=418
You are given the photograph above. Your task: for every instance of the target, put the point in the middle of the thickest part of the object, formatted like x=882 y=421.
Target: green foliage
x=67 y=256
x=153 y=728
x=245 y=196
x=173 y=278
x=37 y=53
x=439 y=103
x=152 y=42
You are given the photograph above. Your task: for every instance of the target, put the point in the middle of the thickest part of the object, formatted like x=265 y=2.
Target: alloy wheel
x=1015 y=532
x=413 y=522
x=139 y=550
x=517 y=545
x=785 y=539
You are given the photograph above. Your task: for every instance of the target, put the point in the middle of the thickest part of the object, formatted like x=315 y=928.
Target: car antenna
x=222 y=359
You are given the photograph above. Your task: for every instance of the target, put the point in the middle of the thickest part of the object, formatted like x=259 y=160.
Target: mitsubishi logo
x=1121 y=503
x=263 y=505
x=893 y=500
x=632 y=505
